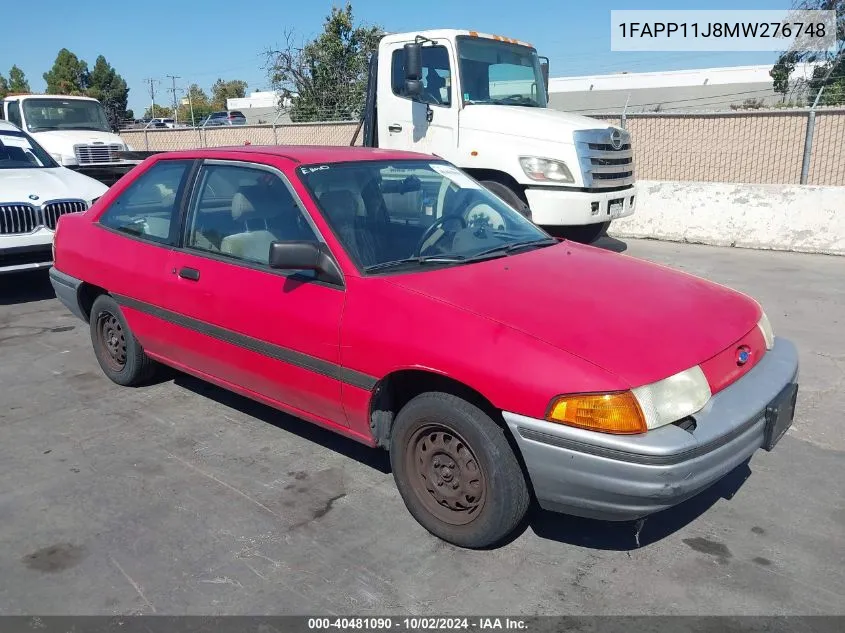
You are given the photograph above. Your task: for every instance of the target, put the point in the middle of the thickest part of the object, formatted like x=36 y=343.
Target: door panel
x=244 y=323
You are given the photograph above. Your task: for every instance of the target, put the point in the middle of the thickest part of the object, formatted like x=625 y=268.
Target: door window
x=149 y=207
x=436 y=75
x=238 y=212
x=15 y=114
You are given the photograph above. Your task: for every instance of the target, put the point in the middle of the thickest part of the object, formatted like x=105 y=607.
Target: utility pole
x=152 y=89
x=173 y=79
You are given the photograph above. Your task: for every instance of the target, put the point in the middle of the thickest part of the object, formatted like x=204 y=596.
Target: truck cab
x=74 y=130
x=481 y=102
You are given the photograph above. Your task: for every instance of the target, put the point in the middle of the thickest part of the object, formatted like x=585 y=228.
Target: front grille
x=98 y=153
x=16 y=219
x=602 y=165
x=54 y=210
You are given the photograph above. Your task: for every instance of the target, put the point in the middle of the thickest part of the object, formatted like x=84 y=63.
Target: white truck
x=74 y=130
x=481 y=102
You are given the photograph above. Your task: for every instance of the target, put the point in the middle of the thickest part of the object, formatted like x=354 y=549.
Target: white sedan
x=34 y=192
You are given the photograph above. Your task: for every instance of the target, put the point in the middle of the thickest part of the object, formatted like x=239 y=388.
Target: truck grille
x=54 y=210
x=16 y=219
x=98 y=153
x=604 y=165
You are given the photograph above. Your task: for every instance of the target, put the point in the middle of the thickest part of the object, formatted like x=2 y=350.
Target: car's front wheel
x=456 y=472
x=118 y=352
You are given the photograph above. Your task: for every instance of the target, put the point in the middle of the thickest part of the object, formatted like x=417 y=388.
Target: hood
x=16 y=185
x=50 y=139
x=539 y=123
x=641 y=321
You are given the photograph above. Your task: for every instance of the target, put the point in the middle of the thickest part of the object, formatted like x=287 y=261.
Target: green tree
x=110 y=89
x=160 y=112
x=68 y=76
x=222 y=90
x=199 y=102
x=326 y=79
x=4 y=87
x=17 y=80
x=829 y=71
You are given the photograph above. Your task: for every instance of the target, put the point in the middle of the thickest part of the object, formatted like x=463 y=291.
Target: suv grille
x=92 y=154
x=602 y=165
x=54 y=210
x=16 y=219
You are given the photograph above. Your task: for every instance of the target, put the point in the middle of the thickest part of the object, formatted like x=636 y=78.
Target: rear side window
x=149 y=207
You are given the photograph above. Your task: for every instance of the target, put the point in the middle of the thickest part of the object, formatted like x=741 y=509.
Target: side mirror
x=413 y=69
x=544 y=70
x=304 y=255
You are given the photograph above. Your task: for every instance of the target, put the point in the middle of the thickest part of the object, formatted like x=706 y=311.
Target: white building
x=707 y=89
x=262 y=106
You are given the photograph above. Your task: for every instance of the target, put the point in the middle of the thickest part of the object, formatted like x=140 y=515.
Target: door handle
x=394 y=127
x=192 y=274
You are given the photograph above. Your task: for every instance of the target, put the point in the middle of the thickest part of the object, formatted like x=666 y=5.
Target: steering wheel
x=433 y=226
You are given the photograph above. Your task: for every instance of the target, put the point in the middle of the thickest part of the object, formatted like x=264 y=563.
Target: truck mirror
x=413 y=87
x=544 y=70
x=413 y=62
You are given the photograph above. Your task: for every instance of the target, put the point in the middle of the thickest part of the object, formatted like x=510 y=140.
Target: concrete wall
x=776 y=217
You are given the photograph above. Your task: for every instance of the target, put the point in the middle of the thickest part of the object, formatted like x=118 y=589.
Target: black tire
x=513 y=198
x=474 y=449
x=118 y=352
x=586 y=234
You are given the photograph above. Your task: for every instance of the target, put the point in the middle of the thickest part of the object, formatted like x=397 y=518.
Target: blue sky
x=200 y=41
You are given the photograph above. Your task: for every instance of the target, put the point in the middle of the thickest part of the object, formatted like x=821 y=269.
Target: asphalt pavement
x=182 y=498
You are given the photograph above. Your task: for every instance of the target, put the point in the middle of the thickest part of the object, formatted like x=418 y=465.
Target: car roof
x=305 y=154
x=5 y=126
x=37 y=96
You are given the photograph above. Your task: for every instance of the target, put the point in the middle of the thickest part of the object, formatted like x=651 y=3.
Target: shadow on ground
x=588 y=533
x=24 y=287
x=610 y=244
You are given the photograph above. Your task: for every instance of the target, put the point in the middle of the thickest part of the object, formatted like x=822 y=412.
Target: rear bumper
x=564 y=207
x=618 y=478
x=67 y=288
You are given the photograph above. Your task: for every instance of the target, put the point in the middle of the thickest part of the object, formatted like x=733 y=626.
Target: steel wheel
x=445 y=475
x=112 y=341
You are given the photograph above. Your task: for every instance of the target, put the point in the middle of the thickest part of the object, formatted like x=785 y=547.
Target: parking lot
x=182 y=498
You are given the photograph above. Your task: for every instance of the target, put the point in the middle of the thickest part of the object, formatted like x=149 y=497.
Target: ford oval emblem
x=743 y=355
x=32 y=196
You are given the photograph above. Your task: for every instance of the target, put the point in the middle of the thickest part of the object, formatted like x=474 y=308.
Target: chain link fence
x=756 y=147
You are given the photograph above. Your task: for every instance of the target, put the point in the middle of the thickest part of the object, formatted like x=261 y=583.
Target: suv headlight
x=545 y=169
x=766 y=330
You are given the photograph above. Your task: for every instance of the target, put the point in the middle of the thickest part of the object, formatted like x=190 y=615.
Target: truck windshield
x=493 y=71
x=42 y=115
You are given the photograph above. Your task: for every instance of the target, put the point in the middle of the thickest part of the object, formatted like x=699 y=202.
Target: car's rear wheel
x=118 y=352
x=456 y=472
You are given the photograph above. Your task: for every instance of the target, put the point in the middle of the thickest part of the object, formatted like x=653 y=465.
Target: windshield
x=497 y=72
x=60 y=114
x=19 y=151
x=393 y=215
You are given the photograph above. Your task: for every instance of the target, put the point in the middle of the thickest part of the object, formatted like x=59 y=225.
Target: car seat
x=253 y=209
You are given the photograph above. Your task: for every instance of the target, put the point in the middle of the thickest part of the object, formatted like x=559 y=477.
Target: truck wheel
x=507 y=194
x=586 y=234
x=456 y=472
x=118 y=352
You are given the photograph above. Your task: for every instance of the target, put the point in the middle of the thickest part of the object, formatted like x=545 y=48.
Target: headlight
x=545 y=169
x=766 y=330
x=673 y=398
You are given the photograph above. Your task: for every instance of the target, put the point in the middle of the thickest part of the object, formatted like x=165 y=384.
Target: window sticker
x=456 y=176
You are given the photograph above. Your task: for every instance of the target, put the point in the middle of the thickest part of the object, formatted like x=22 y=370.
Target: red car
x=389 y=297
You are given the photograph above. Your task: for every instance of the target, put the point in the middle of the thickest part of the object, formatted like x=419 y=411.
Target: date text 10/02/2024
x=417 y=624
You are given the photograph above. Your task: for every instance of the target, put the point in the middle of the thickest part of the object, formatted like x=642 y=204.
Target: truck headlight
x=766 y=331
x=673 y=398
x=545 y=169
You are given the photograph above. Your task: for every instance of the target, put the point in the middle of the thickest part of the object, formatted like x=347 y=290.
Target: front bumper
x=619 y=478
x=29 y=251
x=558 y=206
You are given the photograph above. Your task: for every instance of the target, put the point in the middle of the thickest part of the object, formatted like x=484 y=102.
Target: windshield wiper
x=507 y=249
x=421 y=259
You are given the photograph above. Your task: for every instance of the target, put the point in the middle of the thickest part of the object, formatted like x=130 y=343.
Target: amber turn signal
x=605 y=412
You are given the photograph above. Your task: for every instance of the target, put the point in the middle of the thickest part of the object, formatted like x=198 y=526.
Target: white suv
x=34 y=192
